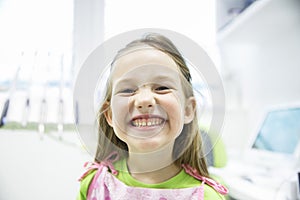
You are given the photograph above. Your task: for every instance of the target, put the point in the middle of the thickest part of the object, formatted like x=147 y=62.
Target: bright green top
x=181 y=180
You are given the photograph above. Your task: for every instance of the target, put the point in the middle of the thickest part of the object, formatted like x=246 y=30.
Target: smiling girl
x=149 y=141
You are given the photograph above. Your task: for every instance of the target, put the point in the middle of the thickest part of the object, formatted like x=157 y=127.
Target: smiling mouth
x=147 y=122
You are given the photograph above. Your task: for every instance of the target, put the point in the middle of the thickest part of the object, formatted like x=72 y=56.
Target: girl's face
x=148 y=108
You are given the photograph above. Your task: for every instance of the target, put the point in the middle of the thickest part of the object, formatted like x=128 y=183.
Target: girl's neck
x=154 y=167
x=157 y=176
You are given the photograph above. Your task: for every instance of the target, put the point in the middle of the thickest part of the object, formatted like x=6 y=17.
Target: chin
x=149 y=145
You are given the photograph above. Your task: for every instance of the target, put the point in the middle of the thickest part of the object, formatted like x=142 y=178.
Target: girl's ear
x=190 y=109
x=107 y=113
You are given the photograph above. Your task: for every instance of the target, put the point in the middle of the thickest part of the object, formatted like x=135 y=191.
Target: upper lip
x=146 y=117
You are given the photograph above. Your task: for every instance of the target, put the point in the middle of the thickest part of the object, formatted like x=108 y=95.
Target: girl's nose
x=144 y=100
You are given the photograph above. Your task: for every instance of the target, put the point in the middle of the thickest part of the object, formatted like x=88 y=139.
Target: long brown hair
x=188 y=145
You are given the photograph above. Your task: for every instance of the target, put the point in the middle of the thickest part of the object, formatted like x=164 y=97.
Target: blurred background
x=254 y=44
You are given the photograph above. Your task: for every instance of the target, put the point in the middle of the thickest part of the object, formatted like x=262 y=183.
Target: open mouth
x=147 y=121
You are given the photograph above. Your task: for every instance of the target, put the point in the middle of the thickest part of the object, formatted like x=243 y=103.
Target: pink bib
x=105 y=186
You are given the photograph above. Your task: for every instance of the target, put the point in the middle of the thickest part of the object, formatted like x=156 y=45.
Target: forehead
x=130 y=61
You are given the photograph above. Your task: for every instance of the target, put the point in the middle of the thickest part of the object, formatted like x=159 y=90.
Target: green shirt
x=181 y=180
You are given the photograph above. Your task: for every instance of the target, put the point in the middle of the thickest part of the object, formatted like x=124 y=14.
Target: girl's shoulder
x=87 y=178
x=210 y=193
x=212 y=189
x=84 y=185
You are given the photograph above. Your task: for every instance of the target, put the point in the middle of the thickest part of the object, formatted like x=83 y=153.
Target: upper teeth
x=147 y=122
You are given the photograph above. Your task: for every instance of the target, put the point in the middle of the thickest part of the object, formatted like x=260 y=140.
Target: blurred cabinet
x=228 y=10
x=88 y=29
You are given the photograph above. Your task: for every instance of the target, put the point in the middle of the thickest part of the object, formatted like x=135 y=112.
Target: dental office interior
x=254 y=45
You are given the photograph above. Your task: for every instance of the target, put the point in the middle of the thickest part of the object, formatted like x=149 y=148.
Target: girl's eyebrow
x=162 y=77
x=122 y=81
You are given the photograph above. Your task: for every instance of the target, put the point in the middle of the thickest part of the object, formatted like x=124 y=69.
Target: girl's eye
x=127 y=91
x=162 y=88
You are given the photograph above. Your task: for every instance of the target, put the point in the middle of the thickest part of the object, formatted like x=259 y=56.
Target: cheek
x=119 y=107
x=175 y=111
x=174 y=106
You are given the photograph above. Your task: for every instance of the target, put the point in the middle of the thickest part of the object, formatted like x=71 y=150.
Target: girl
x=149 y=141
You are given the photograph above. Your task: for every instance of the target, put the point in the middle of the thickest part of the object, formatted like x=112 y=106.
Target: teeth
x=143 y=122
x=147 y=122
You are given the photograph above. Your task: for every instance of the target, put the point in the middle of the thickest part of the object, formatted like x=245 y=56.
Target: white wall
x=261 y=65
